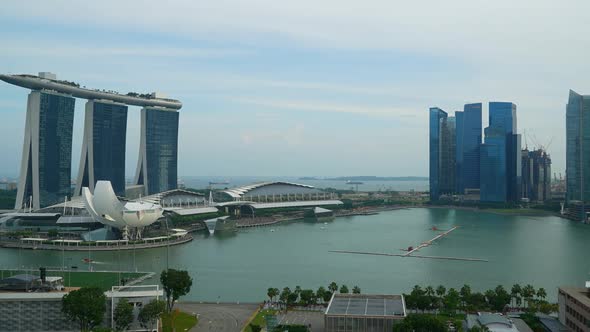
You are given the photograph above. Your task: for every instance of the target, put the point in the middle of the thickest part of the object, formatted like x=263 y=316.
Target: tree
x=149 y=313
x=255 y=328
x=333 y=287
x=272 y=293
x=465 y=293
x=528 y=292
x=356 y=290
x=307 y=296
x=327 y=296
x=285 y=294
x=86 y=306
x=541 y=293
x=452 y=300
x=123 y=315
x=440 y=292
x=515 y=293
x=176 y=283
x=320 y=293
x=344 y=289
x=420 y=323
x=501 y=299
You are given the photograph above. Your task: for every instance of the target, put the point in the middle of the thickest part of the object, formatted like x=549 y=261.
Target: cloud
x=314 y=106
x=40 y=48
x=500 y=31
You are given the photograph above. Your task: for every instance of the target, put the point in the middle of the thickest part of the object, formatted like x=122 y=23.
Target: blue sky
x=307 y=87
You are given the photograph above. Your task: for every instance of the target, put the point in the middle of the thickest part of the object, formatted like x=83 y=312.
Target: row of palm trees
x=308 y=296
x=497 y=299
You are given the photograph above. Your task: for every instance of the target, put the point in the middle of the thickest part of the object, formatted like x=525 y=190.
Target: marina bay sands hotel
x=45 y=172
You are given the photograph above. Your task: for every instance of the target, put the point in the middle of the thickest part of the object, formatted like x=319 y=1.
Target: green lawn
x=259 y=319
x=182 y=322
x=103 y=280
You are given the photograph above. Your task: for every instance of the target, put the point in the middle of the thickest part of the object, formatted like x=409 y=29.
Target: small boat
x=272 y=230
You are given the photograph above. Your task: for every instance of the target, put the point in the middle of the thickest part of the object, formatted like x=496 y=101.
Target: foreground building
x=45 y=173
x=577 y=168
x=494 y=322
x=364 y=313
x=34 y=303
x=574 y=307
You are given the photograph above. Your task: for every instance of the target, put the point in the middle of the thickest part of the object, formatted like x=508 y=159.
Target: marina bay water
x=544 y=251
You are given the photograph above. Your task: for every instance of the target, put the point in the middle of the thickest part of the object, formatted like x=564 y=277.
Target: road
x=219 y=317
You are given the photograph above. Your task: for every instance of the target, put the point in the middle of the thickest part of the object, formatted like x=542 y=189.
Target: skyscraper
x=459 y=126
x=103 y=146
x=578 y=147
x=536 y=175
x=436 y=116
x=468 y=141
x=158 y=151
x=500 y=155
x=45 y=174
x=448 y=155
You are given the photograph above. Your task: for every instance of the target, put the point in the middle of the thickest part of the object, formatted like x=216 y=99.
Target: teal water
x=543 y=251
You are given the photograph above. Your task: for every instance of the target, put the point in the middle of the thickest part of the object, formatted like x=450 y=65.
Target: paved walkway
x=313 y=318
x=221 y=317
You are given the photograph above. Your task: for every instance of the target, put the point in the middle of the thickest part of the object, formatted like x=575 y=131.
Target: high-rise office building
x=536 y=175
x=577 y=147
x=448 y=155
x=500 y=156
x=103 y=146
x=468 y=141
x=436 y=116
x=45 y=173
x=459 y=124
x=158 y=152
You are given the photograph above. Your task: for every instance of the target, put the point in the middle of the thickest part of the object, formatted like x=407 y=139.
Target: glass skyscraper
x=158 y=161
x=45 y=175
x=436 y=116
x=500 y=155
x=459 y=125
x=103 y=147
x=448 y=155
x=470 y=143
x=578 y=147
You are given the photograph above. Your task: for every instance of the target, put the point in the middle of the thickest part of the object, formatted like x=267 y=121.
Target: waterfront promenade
x=78 y=245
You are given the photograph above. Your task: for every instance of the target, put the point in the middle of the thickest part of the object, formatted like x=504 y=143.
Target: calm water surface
x=543 y=251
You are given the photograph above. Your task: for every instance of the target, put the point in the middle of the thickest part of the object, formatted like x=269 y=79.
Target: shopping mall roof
x=157 y=198
x=294 y=204
x=367 y=305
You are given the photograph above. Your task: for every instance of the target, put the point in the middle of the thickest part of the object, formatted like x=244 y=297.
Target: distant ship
x=354 y=182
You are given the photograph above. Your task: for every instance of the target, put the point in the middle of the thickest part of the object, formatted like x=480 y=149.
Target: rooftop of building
x=580 y=294
x=367 y=305
x=495 y=322
x=49 y=81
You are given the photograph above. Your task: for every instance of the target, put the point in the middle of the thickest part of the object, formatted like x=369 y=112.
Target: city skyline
x=308 y=91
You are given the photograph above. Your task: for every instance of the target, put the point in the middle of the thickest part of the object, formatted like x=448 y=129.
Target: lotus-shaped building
x=129 y=217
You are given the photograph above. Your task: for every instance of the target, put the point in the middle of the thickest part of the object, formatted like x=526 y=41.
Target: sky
x=307 y=87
